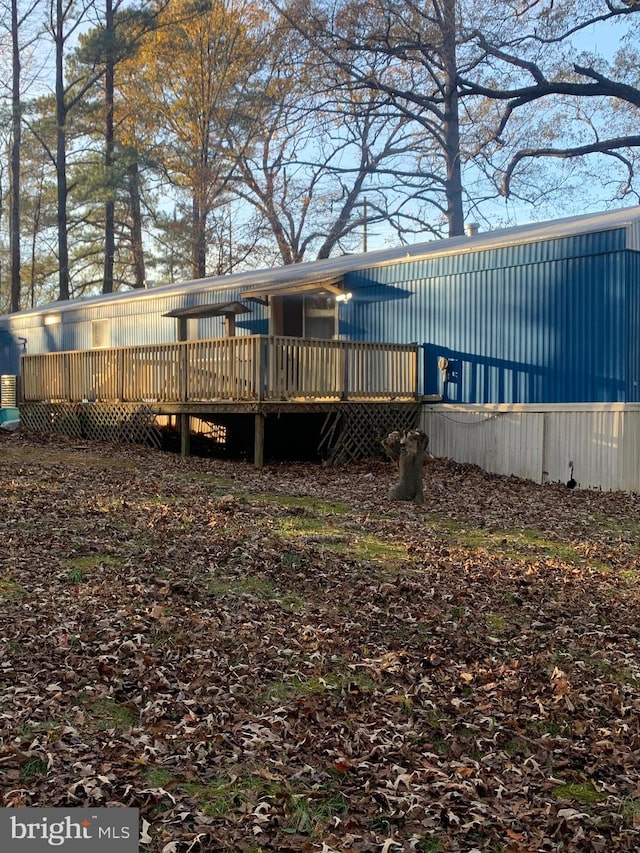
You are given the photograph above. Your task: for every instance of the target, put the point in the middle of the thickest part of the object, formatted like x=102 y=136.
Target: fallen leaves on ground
x=285 y=660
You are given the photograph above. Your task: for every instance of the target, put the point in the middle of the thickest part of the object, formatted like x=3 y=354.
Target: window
x=304 y=316
x=100 y=334
x=319 y=317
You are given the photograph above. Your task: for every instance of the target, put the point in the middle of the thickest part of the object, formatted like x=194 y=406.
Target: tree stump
x=408 y=449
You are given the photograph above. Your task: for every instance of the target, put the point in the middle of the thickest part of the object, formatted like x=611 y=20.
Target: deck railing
x=244 y=368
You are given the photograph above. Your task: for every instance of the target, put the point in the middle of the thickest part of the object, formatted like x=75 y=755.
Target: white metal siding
x=633 y=235
x=540 y=442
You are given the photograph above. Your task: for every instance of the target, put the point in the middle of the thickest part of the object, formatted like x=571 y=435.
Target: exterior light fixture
x=344 y=297
x=52 y=319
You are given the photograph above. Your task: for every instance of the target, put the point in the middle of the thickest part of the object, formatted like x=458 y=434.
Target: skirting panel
x=596 y=445
x=128 y=423
x=355 y=431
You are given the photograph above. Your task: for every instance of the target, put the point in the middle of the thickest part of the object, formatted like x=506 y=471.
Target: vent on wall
x=8 y=386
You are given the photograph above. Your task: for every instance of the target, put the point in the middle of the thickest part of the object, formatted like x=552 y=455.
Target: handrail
x=243 y=368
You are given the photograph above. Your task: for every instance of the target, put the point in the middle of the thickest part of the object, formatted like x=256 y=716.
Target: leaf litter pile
x=285 y=660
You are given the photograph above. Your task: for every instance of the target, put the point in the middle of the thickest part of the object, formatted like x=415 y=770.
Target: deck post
x=345 y=373
x=184 y=372
x=66 y=378
x=260 y=352
x=258 y=445
x=185 y=435
x=120 y=375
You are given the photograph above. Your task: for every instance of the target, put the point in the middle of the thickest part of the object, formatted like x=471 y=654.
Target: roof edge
x=335 y=267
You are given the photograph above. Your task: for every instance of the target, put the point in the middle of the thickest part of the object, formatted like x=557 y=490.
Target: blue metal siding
x=552 y=320
x=632 y=344
x=550 y=330
x=132 y=321
x=524 y=254
x=10 y=350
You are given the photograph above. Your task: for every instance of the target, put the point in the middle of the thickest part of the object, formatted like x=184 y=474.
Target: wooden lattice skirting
x=355 y=431
x=128 y=423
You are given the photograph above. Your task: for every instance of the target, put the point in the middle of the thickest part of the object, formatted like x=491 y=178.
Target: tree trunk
x=61 y=155
x=37 y=213
x=199 y=238
x=135 y=214
x=16 y=128
x=408 y=449
x=451 y=120
x=109 y=208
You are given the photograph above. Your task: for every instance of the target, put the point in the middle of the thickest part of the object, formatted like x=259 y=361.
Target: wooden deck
x=253 y=374
x=252 y=368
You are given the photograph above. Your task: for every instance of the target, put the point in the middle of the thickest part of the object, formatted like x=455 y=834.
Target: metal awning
x=333 y=284
x=218 y=309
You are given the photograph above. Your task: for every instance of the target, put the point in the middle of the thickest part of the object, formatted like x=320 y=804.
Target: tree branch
x=604 y=146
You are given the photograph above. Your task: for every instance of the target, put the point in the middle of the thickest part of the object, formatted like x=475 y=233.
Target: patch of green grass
x=284 y=691
x=316 y=506
x=628 y=812
x=79 y=568
x=50 y=456
x=296 y=526
x=515 y=544
x=313 y=529
x=429 y=845
x=440 y=744
x=157 y=777
x=613 y=672
x=381 y=826
x=164 y=500
x=170 y=637
x=215 y=799
x=378 y=551
x=212 y=479
x=516 y=746
x=625 y=675
x=10 y=589
x=581 y=792
x=343 y=541
x=558 y=727
x=76 y=576
x=258 y=587
x=219 y=796
x=402 y=635
x=309 y=814
x=615 y=525
x=255 y=786
x=49 y=727
x=104 y=714
x=32 y=769
x=305 y=812
x=292 y=559
x=495 y=622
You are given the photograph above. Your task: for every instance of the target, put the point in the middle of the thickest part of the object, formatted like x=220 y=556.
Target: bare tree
x=412 y=54
x=308 y=165
x=537 y=65
x=23 y=35
x=64 y=20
